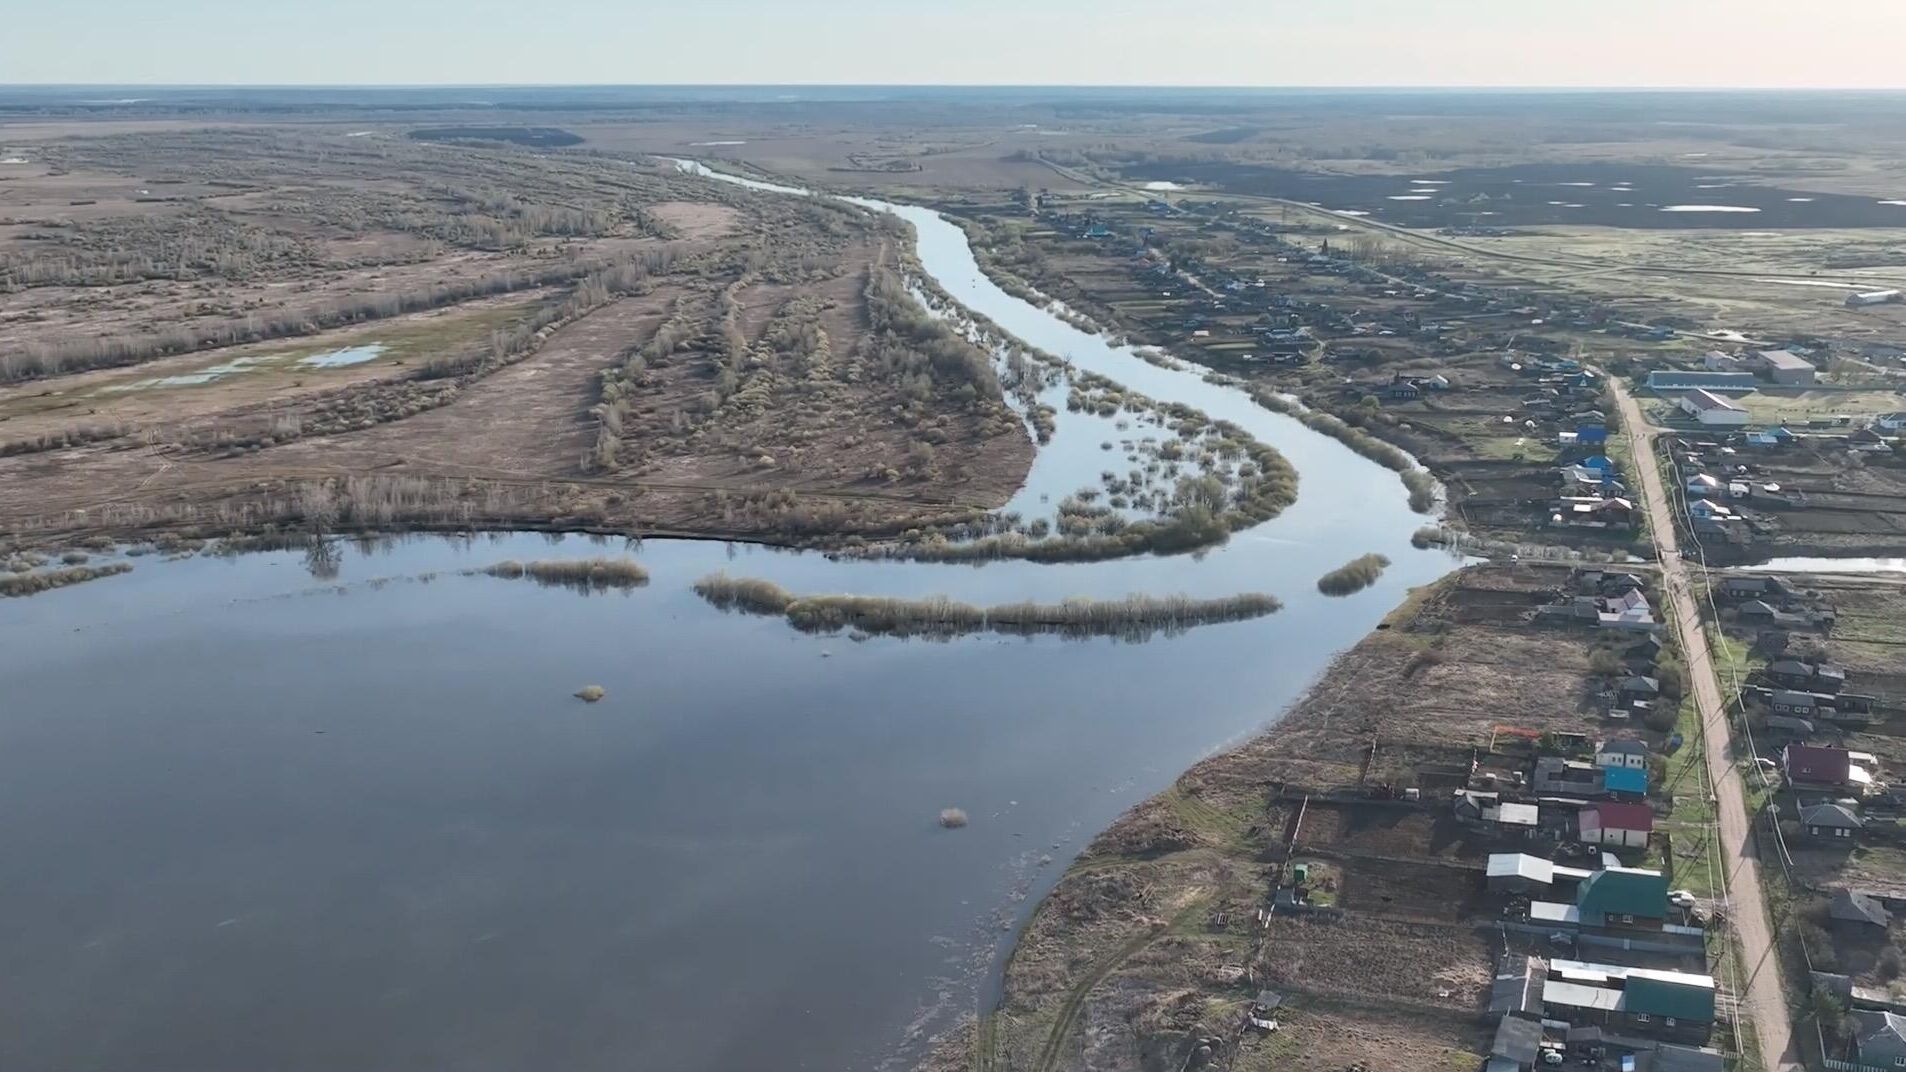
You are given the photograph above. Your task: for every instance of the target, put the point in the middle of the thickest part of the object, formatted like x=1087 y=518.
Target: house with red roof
x=1624 y=826
x=1812 y=764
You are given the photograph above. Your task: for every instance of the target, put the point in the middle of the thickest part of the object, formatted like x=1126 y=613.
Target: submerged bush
x=1134 y=617
x=584 y=574
x=744 y=593
x=1353 y=576
x=26 y=584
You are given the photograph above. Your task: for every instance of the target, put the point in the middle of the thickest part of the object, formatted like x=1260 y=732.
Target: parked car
x=1681 y=898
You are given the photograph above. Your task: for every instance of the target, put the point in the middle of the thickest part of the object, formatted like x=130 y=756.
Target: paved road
x=1763 y=1006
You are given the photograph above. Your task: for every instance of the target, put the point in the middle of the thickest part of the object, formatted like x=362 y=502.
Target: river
x=255 y=819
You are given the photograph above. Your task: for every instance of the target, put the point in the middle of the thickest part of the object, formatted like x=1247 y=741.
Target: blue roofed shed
x=1629 y=780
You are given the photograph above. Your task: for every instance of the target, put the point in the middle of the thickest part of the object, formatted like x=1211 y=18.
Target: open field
x=215 y=328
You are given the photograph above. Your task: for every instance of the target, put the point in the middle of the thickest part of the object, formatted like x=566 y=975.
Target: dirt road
x=1763 y=1003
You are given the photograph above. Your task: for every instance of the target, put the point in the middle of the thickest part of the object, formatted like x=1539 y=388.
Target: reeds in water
x=1135 y=617
x=1353 y=576
x=582 y=574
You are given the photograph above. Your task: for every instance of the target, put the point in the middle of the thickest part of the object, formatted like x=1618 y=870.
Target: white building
x=1786 y=367
x=1709 y=408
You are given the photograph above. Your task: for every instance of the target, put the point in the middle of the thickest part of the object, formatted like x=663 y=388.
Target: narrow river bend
x=254 y=820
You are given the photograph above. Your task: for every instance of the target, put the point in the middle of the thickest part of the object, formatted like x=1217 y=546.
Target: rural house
x=1638 y=687
x=1711 y=409
x=1830 y=821
x=1879 y=1038
x=1785 y=367
x=1622 y=825
x=1798 y=704
x=1517 y=1046
x=1858 y=911
x=1756 y=586
x=1555 y=776
x=1517 y=989
x=1638 y=1001
x=1623 y=752
x=1816 y=765
x=1625 y=783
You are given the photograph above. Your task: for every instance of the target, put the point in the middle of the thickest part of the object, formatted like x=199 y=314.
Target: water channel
x=256 y=819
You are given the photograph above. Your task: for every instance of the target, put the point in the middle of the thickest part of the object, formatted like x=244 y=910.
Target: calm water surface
x=254 y=820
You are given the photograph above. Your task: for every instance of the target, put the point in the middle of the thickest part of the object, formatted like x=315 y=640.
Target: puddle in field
x=188 y=379
x=338 y=358
x=349 y=355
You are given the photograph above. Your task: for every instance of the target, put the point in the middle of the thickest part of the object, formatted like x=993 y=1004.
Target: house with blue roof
x=1625 y=782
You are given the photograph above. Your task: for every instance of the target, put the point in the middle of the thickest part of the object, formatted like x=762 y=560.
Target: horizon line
x=1312 y=86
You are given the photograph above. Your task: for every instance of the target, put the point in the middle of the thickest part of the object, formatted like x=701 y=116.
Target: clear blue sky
x=1845 y=43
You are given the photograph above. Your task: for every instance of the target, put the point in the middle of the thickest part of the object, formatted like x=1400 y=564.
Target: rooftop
x=1785 y=359
x=1705 y=400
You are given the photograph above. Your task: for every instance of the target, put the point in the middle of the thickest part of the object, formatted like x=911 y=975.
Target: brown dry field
x=261 y=228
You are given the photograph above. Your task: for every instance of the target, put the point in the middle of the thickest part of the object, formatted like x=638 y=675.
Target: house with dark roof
x=1516 y=1047
x=1799 y=704
x=1858 y=911
x=1622 y=752
x=1556 y=776
x=1617 y=824
x=1879 y=1039
x=1755 y=586
x=1814 y=678
x=1831 y=822
x=1517 y=989
x=1639 y=687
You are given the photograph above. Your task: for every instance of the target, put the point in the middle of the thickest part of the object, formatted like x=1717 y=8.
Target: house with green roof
x=1623 y=897
x=1678 y=1006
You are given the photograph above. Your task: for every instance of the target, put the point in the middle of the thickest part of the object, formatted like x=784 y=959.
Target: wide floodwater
x=257 y=820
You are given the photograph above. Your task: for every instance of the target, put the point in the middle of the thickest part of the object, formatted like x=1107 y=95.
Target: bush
x=1135 y=617
x=1353 y=576
x=584 y=574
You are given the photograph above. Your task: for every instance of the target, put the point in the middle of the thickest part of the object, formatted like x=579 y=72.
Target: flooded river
x=260 y=820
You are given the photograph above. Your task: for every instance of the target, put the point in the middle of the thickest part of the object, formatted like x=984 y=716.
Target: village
x=1496 y=384
x=1539 y=854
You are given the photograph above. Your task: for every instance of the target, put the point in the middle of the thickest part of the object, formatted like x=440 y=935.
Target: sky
x=1653 y=43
